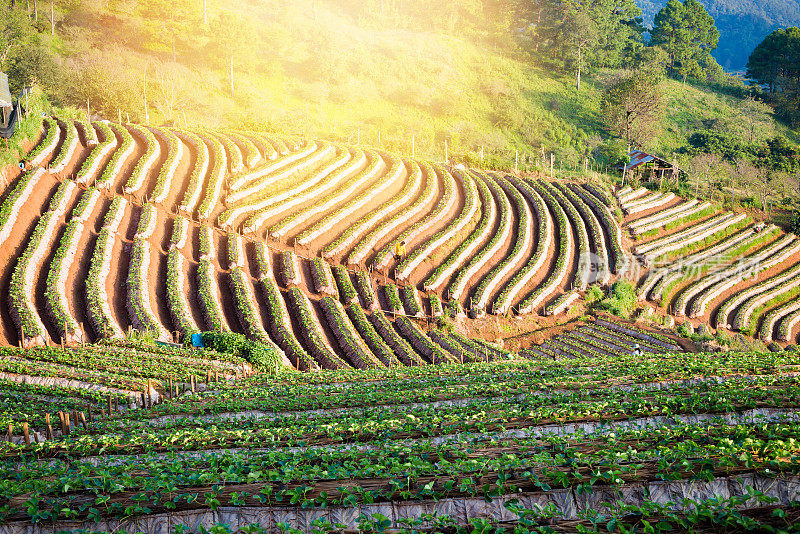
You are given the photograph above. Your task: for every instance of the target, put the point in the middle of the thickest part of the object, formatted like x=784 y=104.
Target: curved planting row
x=346 y=290
x=91 y=165
x=789 y=315
x=322 y=205
x=742 y=317
x=693 y=234
x=280 y=325
x=138 y=177
x=628 y=194
x=322 y=277
x=138 y=302
x=487 y=285
x=234 y=157
x=370 y=220
x=402 y=348
x=583 y=270
x=371 y=240
x=422 y=343
x=616 y=256
x=319 y=184
x=197 y=180
x=600 y=261
x=382 y=351
x=661 y=279
x=263 y=188
x=411 y=302
x=89 y=134
x=649 y=203
x=752 y=293
x=114 y=166
x=69 y=147
x=466 y=248
x=542 y=242
x=563 y=254
x=21 y=288
x=259 y=188
x=44 y=150
x=251 y=154
x=447 y=201
x=350 y=343
x=179 y=306
x=216 y=178
x=290 y=269
x=458 y=284
x=246 y=308
x=393 y=303
x=98 y=306
x=172 y=161
x=240 y=181
x=262 y=195
x=667 y=217
x=365 y=290
x=66 y=326
x=310 y=332
x=383 y=179
x=466 y=216
x=709 y=287
x=12 y=205
x=208 y=288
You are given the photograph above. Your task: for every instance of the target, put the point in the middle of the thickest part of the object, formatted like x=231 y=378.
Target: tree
x=584 y=33
x=688 y=33
x=232 y=37
x=775 y=58
x=632 y=105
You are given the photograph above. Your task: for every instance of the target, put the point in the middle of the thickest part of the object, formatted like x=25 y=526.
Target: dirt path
x=157 y=274
x=117 y=283
x=40 y=278
x=79 y=269
x=180 y=181
x=15 y=245
x=500 y=255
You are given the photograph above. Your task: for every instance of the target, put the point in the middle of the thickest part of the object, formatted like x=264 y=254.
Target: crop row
x=91 y=165
x=261 y=195
x=367 y=243
x=447 y=200
x=458 y=257
x=137 y=179
x=465 y=217
x=199 y=175
x=21 y=287
x=377 y=180
x=600 y=261
x=321 y=182
x=543 y=240
x=369 y=221
x=216 y=177
x=114 y=166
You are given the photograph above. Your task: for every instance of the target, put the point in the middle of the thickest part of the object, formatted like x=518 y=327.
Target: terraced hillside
x=115 y=227
x=584 y=443
x=716 y=268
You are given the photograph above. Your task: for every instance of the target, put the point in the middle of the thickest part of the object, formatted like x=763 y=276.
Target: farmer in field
x=399 y=254
x=637 y=351
x=400 y=251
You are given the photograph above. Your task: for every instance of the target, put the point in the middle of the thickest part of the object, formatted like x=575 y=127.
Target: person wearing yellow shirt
x=399 y=251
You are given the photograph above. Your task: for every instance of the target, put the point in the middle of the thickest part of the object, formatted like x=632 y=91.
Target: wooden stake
x=83 y=419
x=10 y=433
x=109 y=405
x=67 y=425
x=48 y=426
x=52 y=19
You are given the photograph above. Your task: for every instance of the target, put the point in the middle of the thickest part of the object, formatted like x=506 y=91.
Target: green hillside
x=405 y=80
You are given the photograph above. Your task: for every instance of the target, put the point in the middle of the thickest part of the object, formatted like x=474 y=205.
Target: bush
x=622 y=300
x=262 y=357
x=594 y=294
